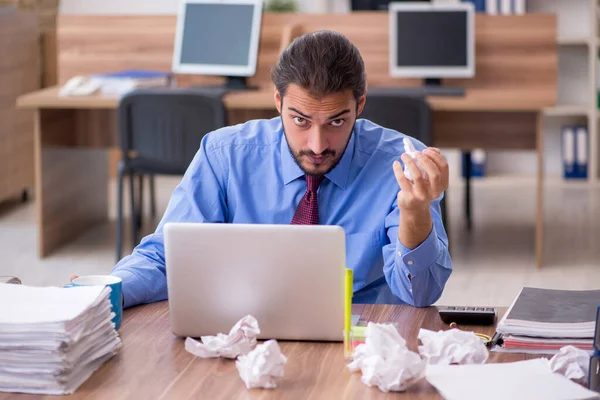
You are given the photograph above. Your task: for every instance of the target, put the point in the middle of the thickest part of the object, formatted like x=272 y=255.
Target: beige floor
x=491 y=263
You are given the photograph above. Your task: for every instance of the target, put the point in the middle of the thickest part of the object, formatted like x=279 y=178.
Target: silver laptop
x=289 y=277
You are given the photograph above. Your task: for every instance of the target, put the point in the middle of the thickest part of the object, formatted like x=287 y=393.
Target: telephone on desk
x=80 y=86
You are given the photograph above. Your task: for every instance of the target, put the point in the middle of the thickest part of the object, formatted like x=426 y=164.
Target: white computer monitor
x=217 y=37
x=432 y=40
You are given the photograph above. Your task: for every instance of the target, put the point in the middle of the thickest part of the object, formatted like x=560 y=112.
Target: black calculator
x=468 y=315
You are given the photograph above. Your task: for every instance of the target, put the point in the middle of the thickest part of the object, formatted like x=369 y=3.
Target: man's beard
x=326 y=152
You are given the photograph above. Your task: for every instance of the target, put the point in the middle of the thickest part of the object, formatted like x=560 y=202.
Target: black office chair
x=159 y=133
x=405 y=114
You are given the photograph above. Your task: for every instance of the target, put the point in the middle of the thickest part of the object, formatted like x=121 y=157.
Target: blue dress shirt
x=246 y=174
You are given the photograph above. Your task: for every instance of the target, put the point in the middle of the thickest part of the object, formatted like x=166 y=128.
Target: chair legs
x=119 y=246
x=443 y=211
x=467 y=162
x=445 y=217
x=152 y=196
x=137 y=206
x=140 y=207
x=134 y=226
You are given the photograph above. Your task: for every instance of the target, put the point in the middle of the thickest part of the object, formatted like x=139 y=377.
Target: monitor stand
x=434 y=87
x=232 y=84
x=238 y=83
x=430 y=87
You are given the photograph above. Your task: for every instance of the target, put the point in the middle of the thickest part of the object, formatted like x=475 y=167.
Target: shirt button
x=399 y=254
x=410 y=262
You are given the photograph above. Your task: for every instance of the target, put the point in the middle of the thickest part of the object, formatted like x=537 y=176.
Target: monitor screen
x=431 y=41
x=219 y=37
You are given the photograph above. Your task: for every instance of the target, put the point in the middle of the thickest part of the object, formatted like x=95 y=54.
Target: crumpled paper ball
x=452 y=347
x=571 y=362
x=409 y=149
x=240 y=340
x=385 y=360
x=261 y=367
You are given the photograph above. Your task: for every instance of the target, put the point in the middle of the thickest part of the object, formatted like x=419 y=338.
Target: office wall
x=118 y=6
x=497 y=162
x=170 y=6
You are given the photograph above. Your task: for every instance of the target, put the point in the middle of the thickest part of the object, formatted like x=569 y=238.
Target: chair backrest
x=164 y=127
x=405 y=114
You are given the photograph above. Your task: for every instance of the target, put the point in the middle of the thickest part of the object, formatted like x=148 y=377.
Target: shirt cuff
x=129 y=283
x=421 y=257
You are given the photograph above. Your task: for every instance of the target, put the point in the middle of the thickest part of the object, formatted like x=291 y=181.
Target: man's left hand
x=418 y=194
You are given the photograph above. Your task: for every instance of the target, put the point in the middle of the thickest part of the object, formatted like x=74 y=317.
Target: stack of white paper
x=52 y=339
x=531 y=379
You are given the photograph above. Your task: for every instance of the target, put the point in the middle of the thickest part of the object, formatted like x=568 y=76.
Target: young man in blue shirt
x=316 y=163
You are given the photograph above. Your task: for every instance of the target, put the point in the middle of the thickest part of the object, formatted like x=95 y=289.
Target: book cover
x=555 y=306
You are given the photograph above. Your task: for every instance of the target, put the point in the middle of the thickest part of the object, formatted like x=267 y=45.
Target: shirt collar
x=338 y=175
x=289 y=169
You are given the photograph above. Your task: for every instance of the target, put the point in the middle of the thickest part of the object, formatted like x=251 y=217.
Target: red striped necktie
x=307 y=212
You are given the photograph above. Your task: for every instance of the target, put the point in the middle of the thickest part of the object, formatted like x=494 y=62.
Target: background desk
x=153 y=364
x=72 y=135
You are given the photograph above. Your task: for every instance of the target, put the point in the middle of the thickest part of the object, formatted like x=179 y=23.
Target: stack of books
x=542 y=321
x=53 y=339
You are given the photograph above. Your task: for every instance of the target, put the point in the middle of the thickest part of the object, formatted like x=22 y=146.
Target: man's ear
x=361 y=104
x=277 y=98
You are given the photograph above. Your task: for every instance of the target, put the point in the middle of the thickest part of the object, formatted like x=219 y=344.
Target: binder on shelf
x=505 y=7
x=477 y=164
x=575 y=144
x=519 y=7
x=581 y=151
x=491 y=7
x=480 y=5
x=568 y=151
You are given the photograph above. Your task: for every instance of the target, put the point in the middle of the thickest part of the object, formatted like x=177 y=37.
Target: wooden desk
x=262 y=100
x=153 y=364
x=73 y=133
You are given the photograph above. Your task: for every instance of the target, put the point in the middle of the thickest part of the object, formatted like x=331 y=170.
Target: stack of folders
x=575 y=144
x=542 y=321
x=53 y=339
x=121 y=82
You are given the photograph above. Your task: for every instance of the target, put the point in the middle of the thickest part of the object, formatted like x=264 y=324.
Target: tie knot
x=313 y=182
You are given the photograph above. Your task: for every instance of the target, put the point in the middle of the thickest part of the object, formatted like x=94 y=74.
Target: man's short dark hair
x=322 y=62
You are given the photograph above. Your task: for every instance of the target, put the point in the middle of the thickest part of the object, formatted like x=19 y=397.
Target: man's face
x=317 y=130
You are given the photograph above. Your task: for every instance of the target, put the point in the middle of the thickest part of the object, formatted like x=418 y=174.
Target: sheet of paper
x=58 y=305
x=531 y=379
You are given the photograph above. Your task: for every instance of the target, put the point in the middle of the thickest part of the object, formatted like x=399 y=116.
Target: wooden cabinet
x=19 y=74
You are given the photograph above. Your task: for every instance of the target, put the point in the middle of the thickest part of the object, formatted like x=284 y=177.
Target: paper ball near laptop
x=409 y=149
